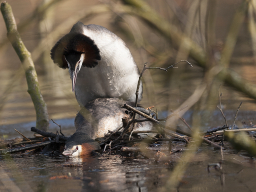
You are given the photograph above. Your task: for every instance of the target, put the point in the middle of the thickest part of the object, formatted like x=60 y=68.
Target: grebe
x=94 y=121
x=99 y=63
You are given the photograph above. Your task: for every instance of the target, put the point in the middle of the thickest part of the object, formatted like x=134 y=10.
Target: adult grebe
x=94 y=121
x=99 y=63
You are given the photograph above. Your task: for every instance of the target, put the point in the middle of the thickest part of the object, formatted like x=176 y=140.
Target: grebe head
x=79 y=144
x=75 y=50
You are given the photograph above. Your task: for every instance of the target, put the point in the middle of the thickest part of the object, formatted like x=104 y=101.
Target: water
x=120 y=173
x=165 y=91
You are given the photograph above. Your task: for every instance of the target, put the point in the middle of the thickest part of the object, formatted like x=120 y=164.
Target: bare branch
x=236 y=115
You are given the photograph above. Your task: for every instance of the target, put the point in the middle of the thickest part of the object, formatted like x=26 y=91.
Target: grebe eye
x=76 y=147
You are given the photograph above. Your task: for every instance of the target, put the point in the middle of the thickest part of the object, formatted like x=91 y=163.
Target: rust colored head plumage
x=87 y=148
x=75 y=43
x=80 y=144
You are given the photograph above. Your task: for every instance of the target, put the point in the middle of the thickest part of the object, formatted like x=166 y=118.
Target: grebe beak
x=73 y=72
x=74 y=151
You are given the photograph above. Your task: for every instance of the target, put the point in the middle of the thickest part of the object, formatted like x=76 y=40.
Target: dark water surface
x=137 y=173
x=117 y=173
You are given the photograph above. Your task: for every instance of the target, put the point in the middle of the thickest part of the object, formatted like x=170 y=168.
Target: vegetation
x=176 y=36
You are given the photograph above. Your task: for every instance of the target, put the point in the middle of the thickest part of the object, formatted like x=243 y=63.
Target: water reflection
x=111 y=173
x=117 y=173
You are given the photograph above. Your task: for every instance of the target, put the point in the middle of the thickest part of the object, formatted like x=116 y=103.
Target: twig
x=32 y=146
x=236 y=130
x=110 y=135
x=22 y=135
x=236 y=115
x=221 y=152
x=212 y=130
x=211 y=143
x=204 y=139
x=57 y=137
x=26 y=142
x=139 y=132
x=171 y=33
x=146 y=111
x=48 y=134
x=108 y=145
x=156 y=121
x=140 y=113
x=140 y=120
x=59 y=127
x=136 y=149
x=220 y=95
x=133 y=117
x=226 y=123
x=127 y=126
x=42 y=119
x=172 y=133
x=130 y=135
x=181 y=118
x=220 y=108
x=160 y=68
x=184 y=121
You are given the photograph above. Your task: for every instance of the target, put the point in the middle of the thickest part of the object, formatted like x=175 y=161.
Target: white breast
x=116 y=74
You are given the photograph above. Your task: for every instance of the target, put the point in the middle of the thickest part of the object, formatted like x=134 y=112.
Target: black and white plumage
x=99 y=63
x=95 y=120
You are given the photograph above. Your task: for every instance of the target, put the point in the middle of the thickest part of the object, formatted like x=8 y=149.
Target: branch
x=25 y=23
x=48 y=134
x=171 y=33
x=42 y=119
x=18 y=149
x=136 y=149
x=140 y=113
x=233 y=126
x=160 y=68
